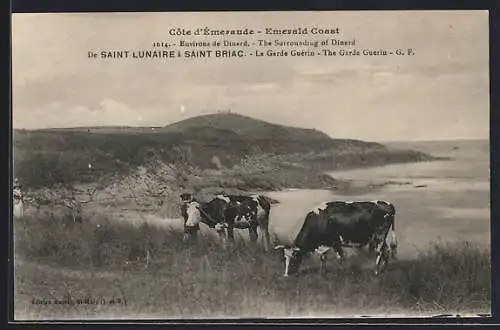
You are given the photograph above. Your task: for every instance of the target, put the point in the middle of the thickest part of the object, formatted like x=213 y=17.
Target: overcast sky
x=440 y=93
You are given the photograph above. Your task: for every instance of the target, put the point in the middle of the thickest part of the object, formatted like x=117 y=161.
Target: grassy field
x=59 y=264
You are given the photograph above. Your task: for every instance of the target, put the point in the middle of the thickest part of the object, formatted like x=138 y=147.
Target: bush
x=446 y=276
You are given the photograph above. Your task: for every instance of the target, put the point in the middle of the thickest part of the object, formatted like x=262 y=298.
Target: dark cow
x=343 y=224
x=250 y=212
x=212 y=213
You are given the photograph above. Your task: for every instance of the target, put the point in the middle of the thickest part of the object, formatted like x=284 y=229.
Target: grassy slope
x=56 y=258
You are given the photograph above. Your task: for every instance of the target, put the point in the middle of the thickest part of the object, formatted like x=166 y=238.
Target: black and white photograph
x=228 y=165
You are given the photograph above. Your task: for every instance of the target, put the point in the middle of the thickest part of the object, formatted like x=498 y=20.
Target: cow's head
x=186 y=198
x=193 y=215
x=291 y=257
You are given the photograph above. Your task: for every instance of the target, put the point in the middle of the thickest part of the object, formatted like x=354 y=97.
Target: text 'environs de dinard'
x=259 y=42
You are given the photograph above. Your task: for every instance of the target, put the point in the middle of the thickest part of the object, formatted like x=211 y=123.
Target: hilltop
x=210 y=150
x=248 y=127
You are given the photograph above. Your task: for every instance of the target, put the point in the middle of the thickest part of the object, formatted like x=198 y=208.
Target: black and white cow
x=227 y=212
x=250 y=212
x=212 y=214
x=343 y=224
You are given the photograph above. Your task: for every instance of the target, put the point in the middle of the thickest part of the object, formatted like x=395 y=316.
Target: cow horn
x=296 y=249
x=279 y=247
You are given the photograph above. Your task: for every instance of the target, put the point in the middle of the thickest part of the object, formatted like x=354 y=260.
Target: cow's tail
x=392 y=214
x=265 y=204
x=394 y=241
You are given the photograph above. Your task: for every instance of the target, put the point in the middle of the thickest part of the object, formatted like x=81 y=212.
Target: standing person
x=18 y=199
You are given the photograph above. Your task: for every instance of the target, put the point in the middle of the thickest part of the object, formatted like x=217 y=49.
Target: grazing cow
x=343 y=224
x=250 y=212
x=18 y=200
x=211 y=213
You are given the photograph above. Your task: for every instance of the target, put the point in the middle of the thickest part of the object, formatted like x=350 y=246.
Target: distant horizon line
x=439 y=140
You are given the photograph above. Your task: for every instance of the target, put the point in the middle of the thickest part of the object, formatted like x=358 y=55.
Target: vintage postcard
x=225 y=165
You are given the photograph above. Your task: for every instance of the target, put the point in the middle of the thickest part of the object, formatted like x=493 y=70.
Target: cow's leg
x=339 y=251
x=194 y=236
x=372 y=244
x=385 y=257
x=265 y=230
x=323 y=258
x=394 y=243
x=381 y=256
x=266 y=239
x=222 y=234
x=263 y=221
x=252 y=232
x=187 y=235
x=230 y=234
x=385 y=250
x=185 y=238
x=190 y=234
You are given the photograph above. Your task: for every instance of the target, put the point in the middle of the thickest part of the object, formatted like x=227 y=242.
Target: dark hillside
x=218 y=141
